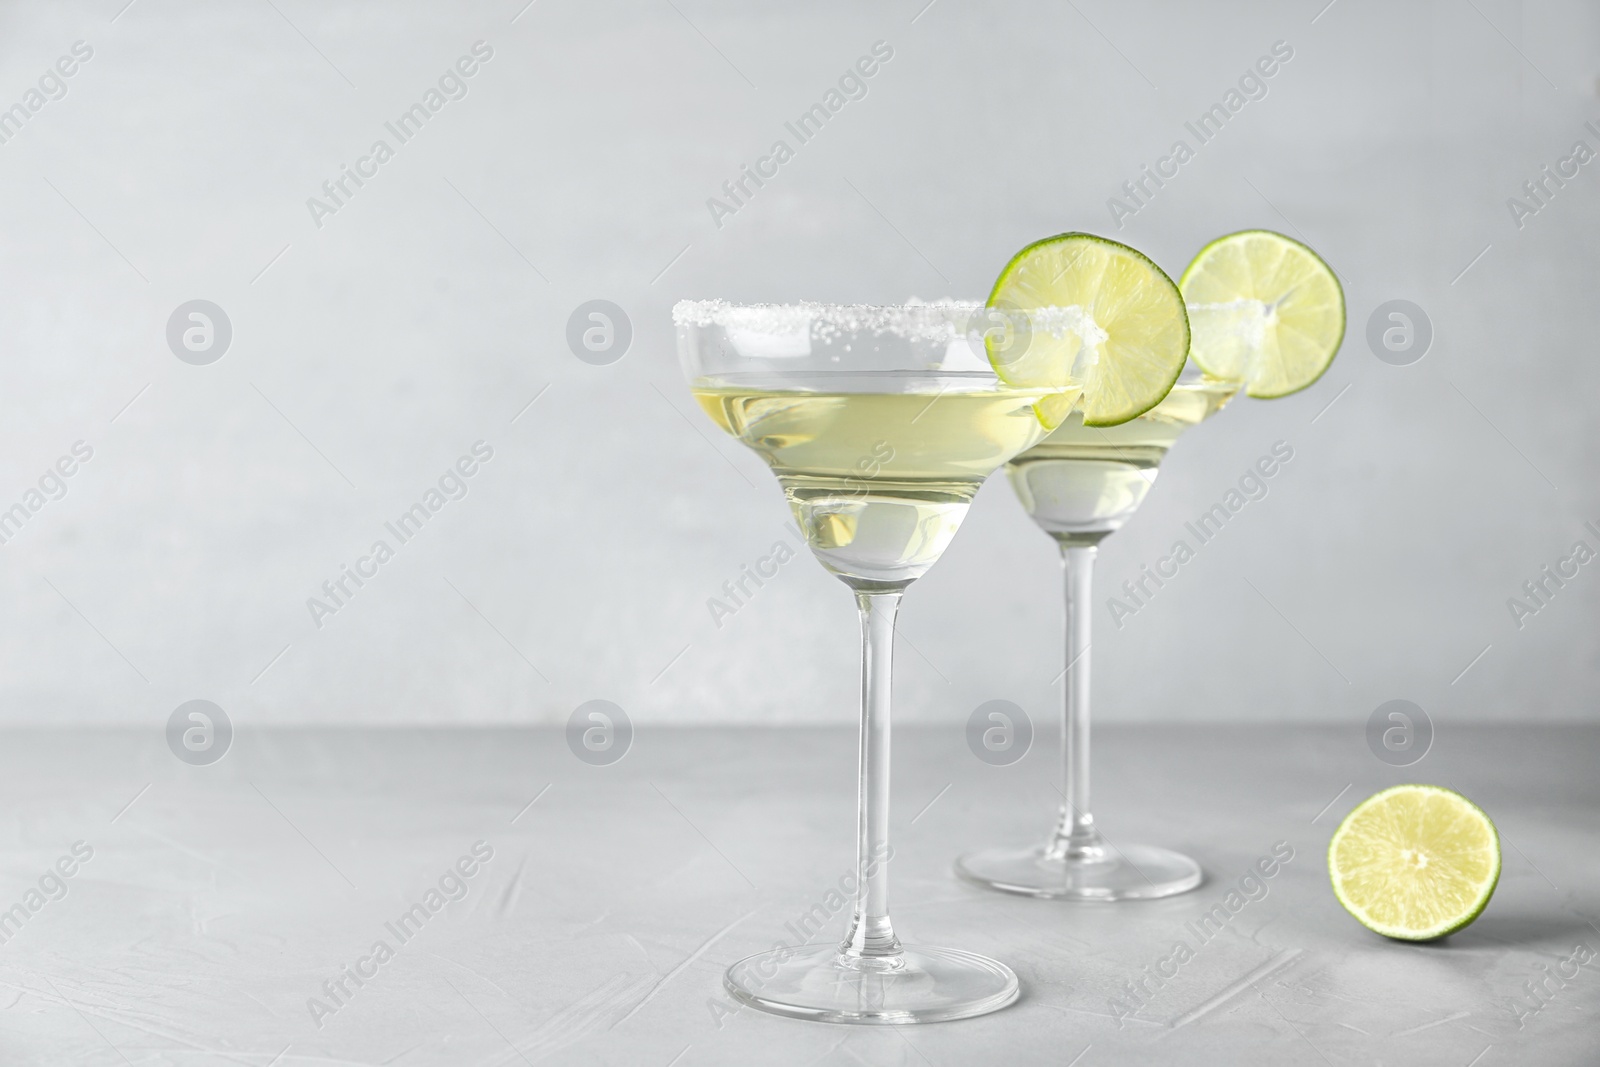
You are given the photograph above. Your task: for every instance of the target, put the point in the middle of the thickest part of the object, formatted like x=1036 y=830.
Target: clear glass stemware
x=880 y=424
x=1080 y=485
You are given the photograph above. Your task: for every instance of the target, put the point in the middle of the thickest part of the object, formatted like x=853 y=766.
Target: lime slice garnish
x=1415 y=862
x=1102 y=316
x=1265 y=310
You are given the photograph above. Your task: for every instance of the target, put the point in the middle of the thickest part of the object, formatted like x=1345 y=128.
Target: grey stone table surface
x=564 y=913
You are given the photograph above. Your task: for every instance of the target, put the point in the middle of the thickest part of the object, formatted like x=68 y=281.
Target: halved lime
x=1265 y=310
x=1415 y=862
x=1102 y=316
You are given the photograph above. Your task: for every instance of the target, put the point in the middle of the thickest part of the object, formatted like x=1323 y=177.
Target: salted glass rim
x=913 y=319
x=687 y=307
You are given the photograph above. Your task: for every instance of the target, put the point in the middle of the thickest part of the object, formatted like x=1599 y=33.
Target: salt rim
x=913 y=320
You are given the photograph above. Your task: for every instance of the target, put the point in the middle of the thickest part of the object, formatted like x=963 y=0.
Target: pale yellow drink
x=1082 y=483
x=878 y=477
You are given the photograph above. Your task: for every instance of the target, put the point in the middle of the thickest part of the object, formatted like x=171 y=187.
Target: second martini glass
x=1081 y=484
x=1267 y=315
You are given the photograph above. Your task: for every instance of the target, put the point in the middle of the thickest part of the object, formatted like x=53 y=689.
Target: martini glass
x=880 y=424
x=1080 y=484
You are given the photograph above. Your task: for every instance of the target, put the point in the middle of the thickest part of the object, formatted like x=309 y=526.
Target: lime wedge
x=1415 y=862
x=1265 y=310
x=1102 y=316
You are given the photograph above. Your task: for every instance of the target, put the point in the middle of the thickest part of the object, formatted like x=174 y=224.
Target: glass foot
x=920 y=985
x=1133 y=872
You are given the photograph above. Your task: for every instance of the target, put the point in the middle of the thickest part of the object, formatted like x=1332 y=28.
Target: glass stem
x=1076 y=839
x=871 y=934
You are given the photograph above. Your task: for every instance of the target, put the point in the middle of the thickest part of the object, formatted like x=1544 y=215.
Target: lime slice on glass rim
x=1415 y=862
x=1265 y=310
x=1102 y=317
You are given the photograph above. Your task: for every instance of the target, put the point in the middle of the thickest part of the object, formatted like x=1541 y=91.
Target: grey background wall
x=374 y=345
